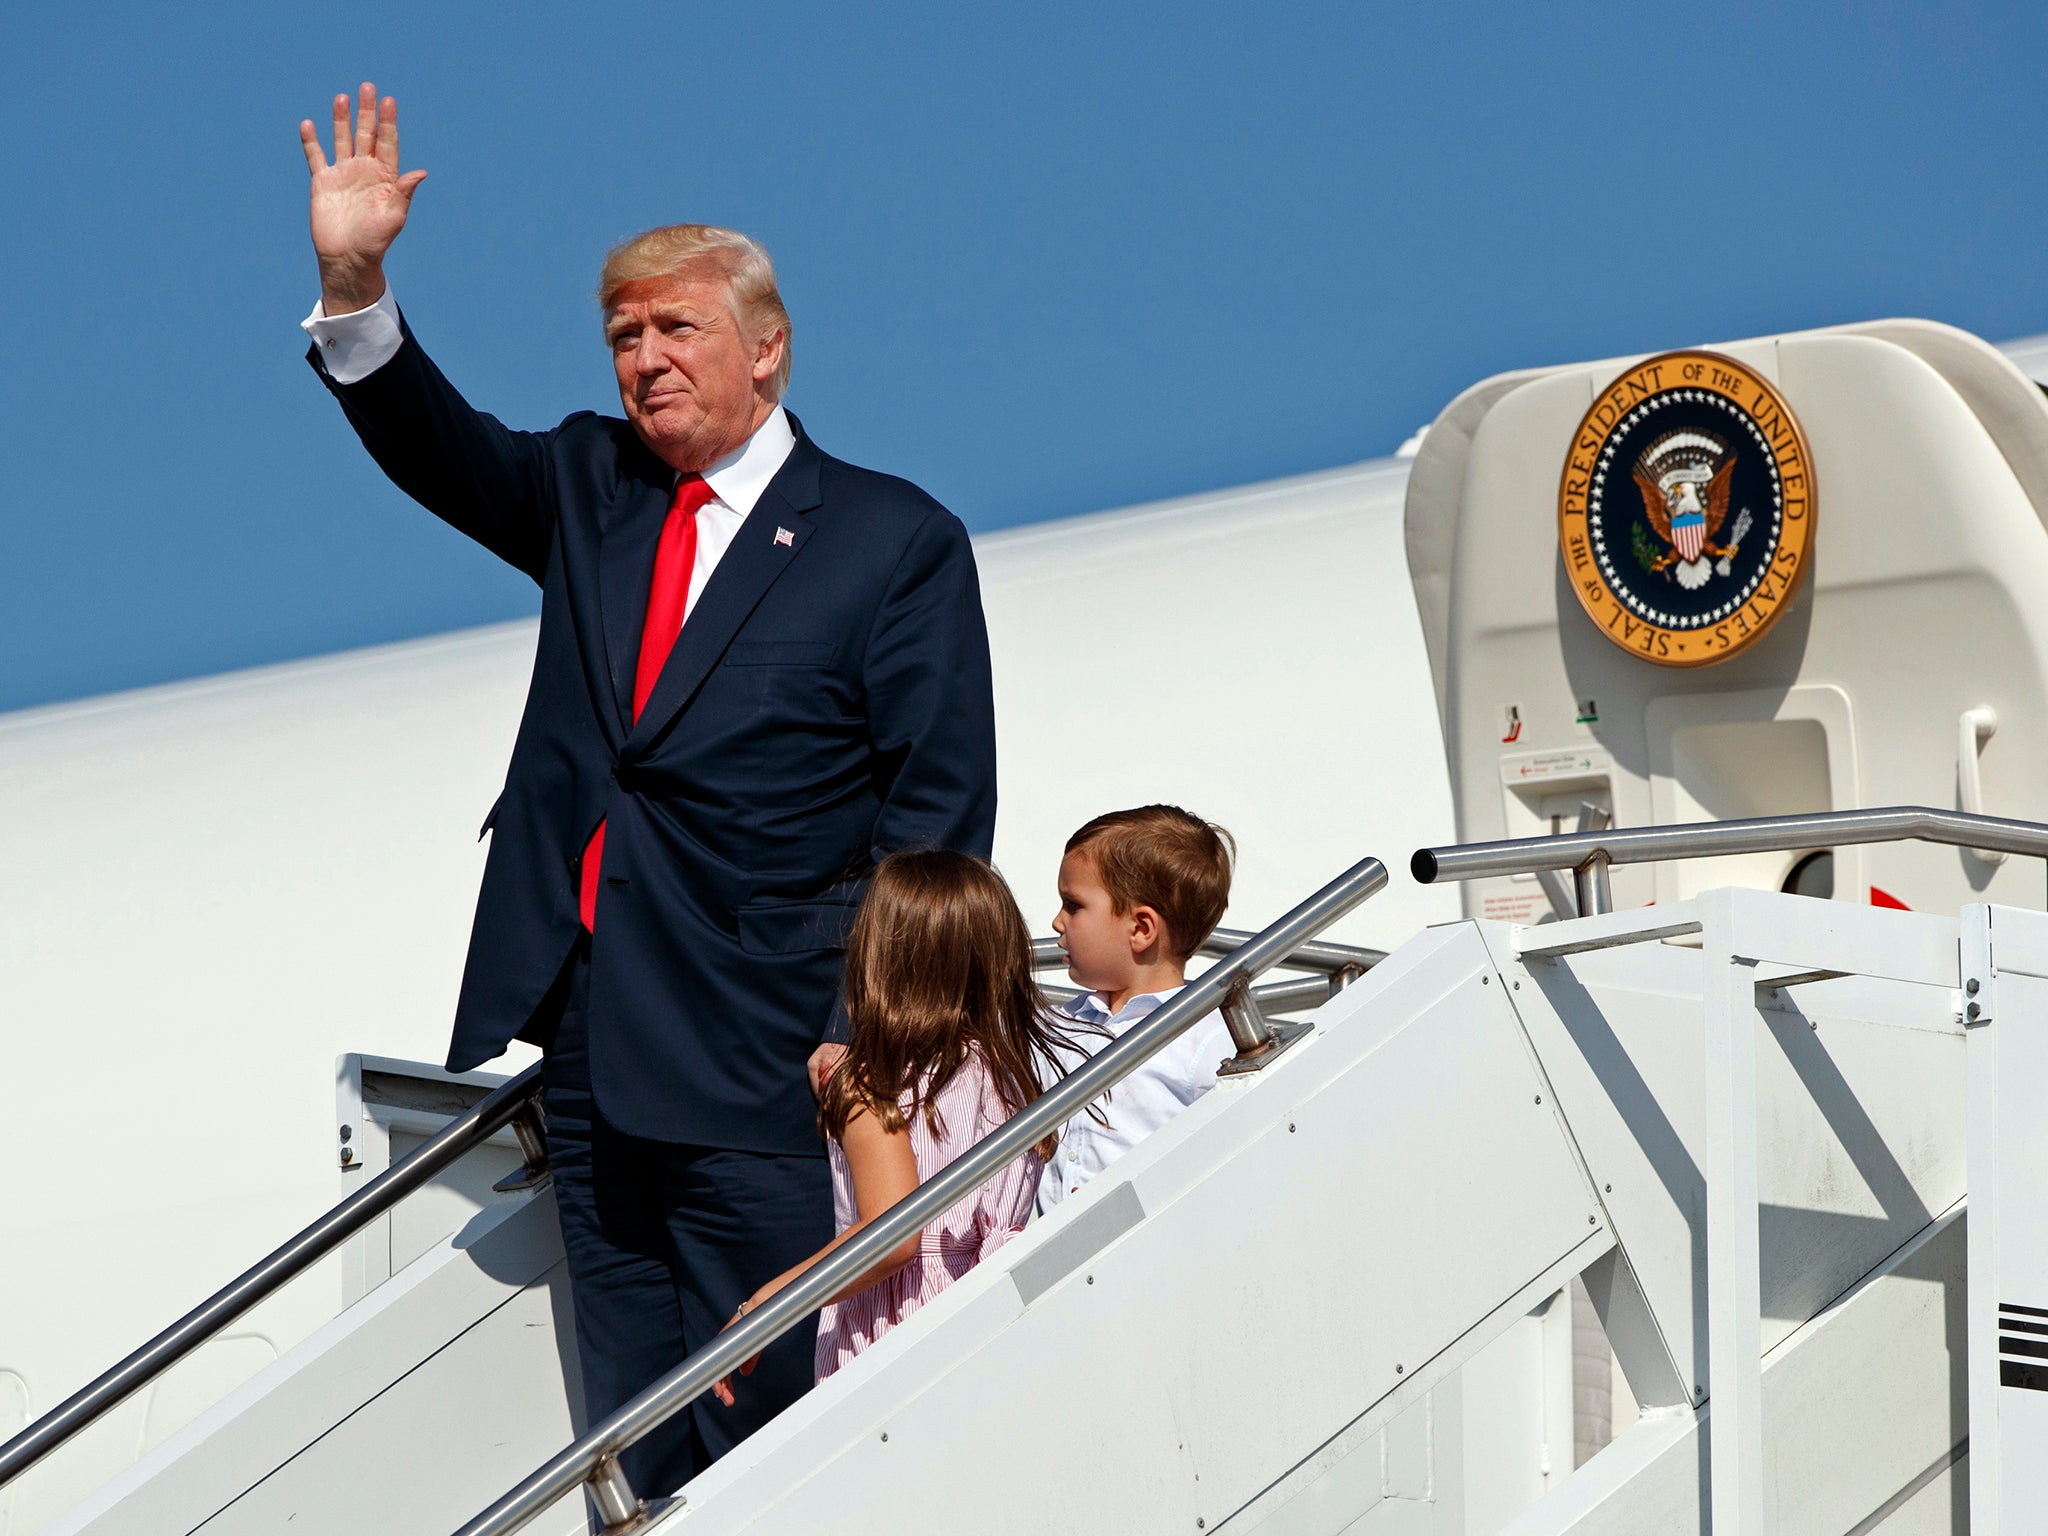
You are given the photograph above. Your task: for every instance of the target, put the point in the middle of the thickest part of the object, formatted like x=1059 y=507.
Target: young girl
x=949 y=1031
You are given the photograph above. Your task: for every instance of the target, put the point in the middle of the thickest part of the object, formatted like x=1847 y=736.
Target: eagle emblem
x=1685 y=508
x=1685 y=477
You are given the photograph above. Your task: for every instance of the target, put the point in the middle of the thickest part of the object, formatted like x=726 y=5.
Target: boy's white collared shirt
x=1152 y=1095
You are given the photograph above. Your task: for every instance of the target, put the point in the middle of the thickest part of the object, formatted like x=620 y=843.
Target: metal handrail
x=1335 y=965
x=468 y=1130
x=1312 y=955
x=593 y=1459
x=1701 y=840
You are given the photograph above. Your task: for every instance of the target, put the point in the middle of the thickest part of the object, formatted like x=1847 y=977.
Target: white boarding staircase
x=1748 y=1121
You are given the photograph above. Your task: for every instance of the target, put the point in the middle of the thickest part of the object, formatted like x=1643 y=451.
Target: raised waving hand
x=359 y=203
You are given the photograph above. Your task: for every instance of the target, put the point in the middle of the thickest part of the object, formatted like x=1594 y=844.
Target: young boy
x=1139 y=891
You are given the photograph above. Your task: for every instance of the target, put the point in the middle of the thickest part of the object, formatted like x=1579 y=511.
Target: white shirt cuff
x=354 y=346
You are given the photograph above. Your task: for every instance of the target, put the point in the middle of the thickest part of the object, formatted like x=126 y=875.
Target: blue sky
x=1043 y=260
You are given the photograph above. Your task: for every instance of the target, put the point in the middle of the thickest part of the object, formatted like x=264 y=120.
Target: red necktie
x=668 y=600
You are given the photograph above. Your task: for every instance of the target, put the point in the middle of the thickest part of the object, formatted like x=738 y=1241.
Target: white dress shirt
x=1152 y=1095
x=356 y=345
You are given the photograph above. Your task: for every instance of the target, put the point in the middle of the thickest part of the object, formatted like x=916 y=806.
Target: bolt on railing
x=593 y=1459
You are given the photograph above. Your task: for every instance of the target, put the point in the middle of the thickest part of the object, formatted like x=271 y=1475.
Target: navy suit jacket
x=827 y=702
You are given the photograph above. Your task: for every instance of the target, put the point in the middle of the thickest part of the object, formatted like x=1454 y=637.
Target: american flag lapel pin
x=785 y=538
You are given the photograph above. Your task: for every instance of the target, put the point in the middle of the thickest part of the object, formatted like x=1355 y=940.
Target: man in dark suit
x=759 y=670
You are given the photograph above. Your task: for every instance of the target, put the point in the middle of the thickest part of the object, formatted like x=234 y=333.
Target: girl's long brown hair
x=939 y=965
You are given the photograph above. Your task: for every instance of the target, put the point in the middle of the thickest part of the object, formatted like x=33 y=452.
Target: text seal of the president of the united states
x=1685 y=514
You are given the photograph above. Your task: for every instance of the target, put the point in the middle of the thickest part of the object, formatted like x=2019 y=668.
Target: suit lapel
x=625 y=568
x=766 y=544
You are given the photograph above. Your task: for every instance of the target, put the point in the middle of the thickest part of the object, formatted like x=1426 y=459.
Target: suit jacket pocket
x=794 y=927
x=780 y=653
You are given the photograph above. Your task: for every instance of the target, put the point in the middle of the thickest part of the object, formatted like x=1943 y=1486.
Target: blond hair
x=746 y=267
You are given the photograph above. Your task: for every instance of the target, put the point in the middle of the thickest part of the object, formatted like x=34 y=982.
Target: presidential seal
x=1685 y=515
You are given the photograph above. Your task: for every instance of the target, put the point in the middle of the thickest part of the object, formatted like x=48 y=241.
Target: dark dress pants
x=663 y=1242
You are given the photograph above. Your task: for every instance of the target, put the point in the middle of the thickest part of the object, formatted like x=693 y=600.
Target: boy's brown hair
x=1165 y=858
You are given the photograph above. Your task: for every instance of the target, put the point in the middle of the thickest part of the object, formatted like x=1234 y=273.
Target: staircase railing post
x=1590 y=885
x=1249 y=1030
x=617 y=1505
x=528 y=1126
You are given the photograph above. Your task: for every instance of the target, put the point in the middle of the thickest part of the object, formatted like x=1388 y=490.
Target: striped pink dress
x=966 y=1233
